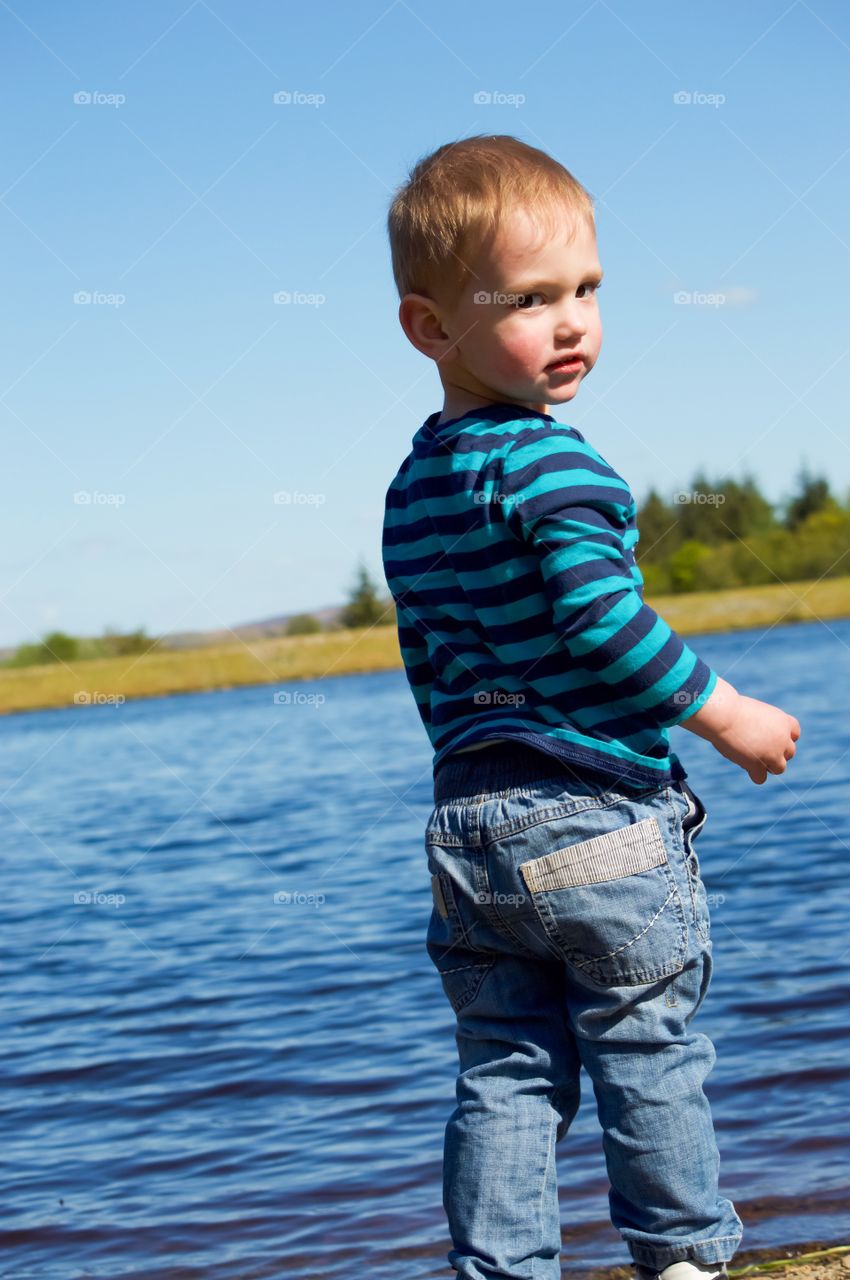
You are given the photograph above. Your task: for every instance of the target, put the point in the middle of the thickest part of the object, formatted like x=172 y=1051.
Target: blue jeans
x=570 y=929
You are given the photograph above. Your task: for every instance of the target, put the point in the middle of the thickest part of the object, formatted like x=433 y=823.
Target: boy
x=570 y=924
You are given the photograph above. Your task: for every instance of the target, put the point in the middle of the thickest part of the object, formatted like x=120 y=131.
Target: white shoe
x=685 y=1270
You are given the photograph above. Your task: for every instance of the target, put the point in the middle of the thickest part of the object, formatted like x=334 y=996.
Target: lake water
x=199 y=1080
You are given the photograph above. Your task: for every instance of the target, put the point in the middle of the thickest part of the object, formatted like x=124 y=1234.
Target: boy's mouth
x=570 y=364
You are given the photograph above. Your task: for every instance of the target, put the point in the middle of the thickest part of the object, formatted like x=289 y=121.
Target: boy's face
x=526 y=309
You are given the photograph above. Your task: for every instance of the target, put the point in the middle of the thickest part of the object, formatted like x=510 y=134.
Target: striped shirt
x=508 y=547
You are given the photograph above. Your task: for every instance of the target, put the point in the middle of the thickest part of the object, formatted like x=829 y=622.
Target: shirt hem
x=635 y=775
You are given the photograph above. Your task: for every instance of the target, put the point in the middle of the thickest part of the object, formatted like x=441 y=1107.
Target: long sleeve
x=417 y=664
x=571 y=510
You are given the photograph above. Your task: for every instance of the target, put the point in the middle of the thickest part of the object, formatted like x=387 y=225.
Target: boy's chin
x=560 y=395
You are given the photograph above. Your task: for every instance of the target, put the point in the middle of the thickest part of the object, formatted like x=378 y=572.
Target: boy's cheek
x=520 y=354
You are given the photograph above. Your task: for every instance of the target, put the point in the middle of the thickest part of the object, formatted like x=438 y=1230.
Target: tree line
x=717 y=533
x=724 y=533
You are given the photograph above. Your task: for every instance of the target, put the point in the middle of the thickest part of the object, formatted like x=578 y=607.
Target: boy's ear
x=421 y=319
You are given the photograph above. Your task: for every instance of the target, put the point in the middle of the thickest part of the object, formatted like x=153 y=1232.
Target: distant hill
x=267 y=629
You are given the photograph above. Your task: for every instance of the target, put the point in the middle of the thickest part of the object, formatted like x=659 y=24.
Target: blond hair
x=454 y=200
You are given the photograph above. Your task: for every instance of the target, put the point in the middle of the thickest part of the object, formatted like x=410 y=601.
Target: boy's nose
x=570 y=333
x=573 y=320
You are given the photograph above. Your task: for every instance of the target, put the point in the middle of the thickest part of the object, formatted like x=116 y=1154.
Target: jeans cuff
x=719 y=1249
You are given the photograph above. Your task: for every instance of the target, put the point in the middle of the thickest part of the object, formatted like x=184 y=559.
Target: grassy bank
x=376 y=649
x=812 y=1261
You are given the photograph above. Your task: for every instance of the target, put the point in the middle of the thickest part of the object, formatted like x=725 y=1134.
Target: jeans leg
x=660 y=1148
x=517 y=1092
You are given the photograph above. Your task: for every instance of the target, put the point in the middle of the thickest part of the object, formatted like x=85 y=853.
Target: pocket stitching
x=462 y=938
x=613 y=854
x=633 y=940
x=633 y=850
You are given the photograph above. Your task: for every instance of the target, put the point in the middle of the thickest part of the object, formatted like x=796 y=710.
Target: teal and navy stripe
x=508 y=546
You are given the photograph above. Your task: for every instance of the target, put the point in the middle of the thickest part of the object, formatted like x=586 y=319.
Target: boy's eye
x=595 y=285
x=525 y=301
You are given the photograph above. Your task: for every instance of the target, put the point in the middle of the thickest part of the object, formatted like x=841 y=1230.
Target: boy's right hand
x=757 y=736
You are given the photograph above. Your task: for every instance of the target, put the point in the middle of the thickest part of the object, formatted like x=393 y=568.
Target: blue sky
x=181 y=197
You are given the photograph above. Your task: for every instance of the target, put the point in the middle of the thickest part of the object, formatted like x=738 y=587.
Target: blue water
x=199 y=1080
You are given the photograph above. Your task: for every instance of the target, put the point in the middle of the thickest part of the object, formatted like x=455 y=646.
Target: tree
x=60 y=647
x=118 y=643
x=55 y=647
x=686 y=565
x=656 y=522
x=812 y=495
x=745 y=511
x=303 y=624
x=365 y=607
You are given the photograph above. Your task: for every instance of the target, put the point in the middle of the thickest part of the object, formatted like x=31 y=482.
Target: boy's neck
x=457 y=404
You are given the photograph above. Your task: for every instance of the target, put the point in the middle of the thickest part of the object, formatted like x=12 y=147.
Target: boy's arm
x=417 y=664
x=757 y=736
x=571 y=513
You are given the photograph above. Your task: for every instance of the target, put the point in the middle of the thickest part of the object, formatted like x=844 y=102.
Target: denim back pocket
x=610 y=905
x=460 y=962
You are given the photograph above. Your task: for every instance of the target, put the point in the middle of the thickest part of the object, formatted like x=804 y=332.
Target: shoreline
x=814 y=1260
x=112 y=681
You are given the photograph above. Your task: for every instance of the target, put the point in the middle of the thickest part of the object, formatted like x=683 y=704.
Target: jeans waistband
x=500 y=766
